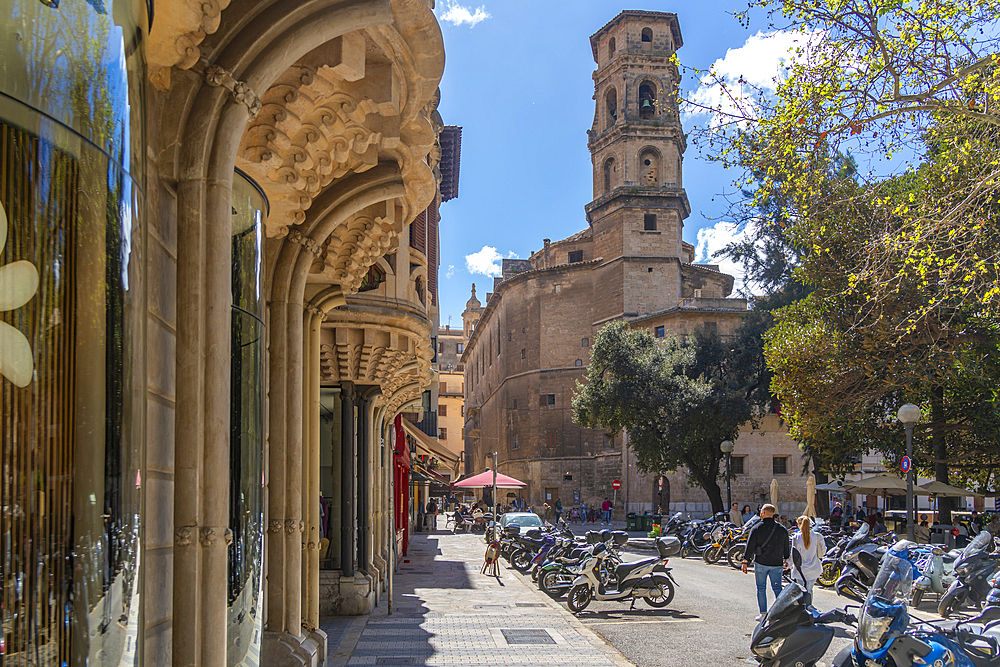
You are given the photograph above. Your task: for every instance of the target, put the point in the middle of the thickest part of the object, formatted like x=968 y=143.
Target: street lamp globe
x=727 y=447
x=909 y=414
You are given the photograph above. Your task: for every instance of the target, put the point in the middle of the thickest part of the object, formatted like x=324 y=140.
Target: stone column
x=348 y=446
x=311 y=489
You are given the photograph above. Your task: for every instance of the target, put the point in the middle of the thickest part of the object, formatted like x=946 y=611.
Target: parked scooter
x=937 y=574
x=649 y=578
x=793 y=632
x=973 y=571
x=885 y=638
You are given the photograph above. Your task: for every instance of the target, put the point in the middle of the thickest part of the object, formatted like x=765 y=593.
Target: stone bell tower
x=636 y=146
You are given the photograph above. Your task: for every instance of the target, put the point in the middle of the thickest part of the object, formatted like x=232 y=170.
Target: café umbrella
x=484 y=479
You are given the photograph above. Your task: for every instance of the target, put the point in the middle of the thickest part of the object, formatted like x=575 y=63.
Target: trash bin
x=647 y=522
x=657 y=519
x=631 y=521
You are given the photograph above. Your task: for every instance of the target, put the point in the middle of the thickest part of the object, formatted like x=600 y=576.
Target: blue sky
x=518 y=80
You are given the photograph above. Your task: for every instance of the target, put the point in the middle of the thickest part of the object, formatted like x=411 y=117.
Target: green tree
x=677 y=400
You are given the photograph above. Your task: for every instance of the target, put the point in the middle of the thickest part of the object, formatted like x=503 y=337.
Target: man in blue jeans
x=769 y=547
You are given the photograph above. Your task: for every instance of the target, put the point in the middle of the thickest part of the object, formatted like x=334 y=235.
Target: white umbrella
x=835 y=486
x=945 y=490
x=811 y=497
x=876 y=483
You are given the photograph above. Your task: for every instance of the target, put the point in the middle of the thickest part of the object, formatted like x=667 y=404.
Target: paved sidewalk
x=446 y=613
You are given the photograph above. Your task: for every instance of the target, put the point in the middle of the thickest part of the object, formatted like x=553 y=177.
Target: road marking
x=670 y=620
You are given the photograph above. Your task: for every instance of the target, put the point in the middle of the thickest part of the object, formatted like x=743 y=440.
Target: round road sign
x=904 y=465
x=617 y=484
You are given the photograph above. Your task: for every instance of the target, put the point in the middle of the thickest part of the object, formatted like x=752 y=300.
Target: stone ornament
x=184 y=536
x=290 y=526
x=207 y=537
x=217 y=76
x=18 y=284
x=274 y=526
x=229 y=537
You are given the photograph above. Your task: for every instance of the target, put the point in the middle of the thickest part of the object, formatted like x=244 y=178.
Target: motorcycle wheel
x=534 y=574
x=949 y=602
x=665 y=596
x=685 y=551
x=916 y=597
x=735 y=556
x=830 y=574
x=579 y=597
x=520 y=560
x=712 y=555
x=550 y=578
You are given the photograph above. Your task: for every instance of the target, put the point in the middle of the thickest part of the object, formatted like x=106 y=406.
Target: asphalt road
x=709 y=621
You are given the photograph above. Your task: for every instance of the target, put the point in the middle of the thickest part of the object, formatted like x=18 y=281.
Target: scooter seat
x=625 y=569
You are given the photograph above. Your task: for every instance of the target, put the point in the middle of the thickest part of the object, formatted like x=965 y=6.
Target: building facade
x=218 y=292
x=529 y=346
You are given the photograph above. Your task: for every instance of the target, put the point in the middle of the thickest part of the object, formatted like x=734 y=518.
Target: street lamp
x=909 y=415
x=727 y=447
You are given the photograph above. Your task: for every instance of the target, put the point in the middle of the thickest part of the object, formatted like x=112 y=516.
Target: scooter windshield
x=979 y=543
x=791 y=597
x=886 y=603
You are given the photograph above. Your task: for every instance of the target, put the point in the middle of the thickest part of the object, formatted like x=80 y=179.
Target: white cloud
x=457 y=14
x=450 y=272
x=713 y=239
x=486 y=261
x=753 y=70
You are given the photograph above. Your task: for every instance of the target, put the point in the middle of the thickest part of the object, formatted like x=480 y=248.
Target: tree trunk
x=940 y=452
x=708 y=481
x=665 y=495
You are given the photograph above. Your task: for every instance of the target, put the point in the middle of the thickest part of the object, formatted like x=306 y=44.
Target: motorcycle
x=649 y=579
x=862 y=558
x=973 y=570
x=557 y=575
x=884 y=638
x=937 y=574
x=737 y=551
x=793 y=632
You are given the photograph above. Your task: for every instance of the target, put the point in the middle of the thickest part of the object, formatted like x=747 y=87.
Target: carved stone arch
x=612 y=105
x=648 y=89
x=418 y=276
x=650 y=166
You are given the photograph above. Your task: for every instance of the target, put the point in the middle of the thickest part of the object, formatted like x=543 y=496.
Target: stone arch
x=611 y=48
x=418 y=283
x=609 y=175
x=650 y=167
x=611 y=107
x=205 y=117
x=647 y=92
x=646 y=39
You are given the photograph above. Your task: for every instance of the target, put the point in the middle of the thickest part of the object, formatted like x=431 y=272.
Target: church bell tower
x=636 y=145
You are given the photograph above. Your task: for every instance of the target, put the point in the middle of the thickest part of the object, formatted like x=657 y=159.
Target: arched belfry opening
x=609 y=174
x=647 y=100
x=611 y=48
x=647 y=39
x=611 y=100
x=649 y=167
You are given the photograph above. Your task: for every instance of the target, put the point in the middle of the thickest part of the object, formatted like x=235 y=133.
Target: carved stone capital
x=184 y=536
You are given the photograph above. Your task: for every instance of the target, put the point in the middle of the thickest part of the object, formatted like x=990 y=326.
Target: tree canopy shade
x=903 y=259
x=677 y=400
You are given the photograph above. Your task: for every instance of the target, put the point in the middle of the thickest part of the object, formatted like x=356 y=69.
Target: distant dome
x=473 y=302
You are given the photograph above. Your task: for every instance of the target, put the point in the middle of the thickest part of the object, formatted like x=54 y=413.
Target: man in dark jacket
x=769 y=547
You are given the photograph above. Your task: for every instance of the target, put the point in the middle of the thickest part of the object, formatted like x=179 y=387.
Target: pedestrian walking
x=735 y=516
x=431 y=515
x=606 y=512
x=769 y=548
x=547 y=512
x=747 y=513
x=811 y=549
x=559 y=509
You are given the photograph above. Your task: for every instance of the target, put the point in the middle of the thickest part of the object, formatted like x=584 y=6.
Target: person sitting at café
x=880 y=527
x=922 y=531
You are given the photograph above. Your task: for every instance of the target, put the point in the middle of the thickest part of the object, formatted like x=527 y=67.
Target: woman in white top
x=811 y=548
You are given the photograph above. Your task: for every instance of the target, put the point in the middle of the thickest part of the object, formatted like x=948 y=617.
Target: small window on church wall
x=609 y=168
x=647 y=37
x=575 y=256
x=579 y=362
x=611 y=48
x=649 y=222
x=611 y=100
